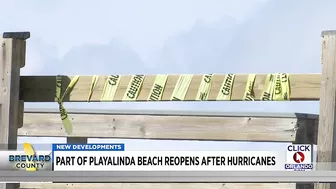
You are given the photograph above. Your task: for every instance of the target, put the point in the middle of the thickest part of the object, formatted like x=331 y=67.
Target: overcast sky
x=176 y=36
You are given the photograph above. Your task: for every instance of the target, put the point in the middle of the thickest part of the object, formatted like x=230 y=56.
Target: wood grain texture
x=20 y=114
x=160 y=186
x=11 y=57
x=326 y=146
x=239 y=128
x=42 y=88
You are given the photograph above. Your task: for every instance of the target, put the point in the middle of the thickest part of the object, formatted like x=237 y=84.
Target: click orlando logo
x=299 y=157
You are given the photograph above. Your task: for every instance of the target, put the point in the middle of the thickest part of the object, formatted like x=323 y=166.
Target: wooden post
x=326 y=146
x=306 y=134
x=12 y=58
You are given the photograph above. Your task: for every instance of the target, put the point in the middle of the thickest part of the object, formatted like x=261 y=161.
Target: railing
x=296 y=128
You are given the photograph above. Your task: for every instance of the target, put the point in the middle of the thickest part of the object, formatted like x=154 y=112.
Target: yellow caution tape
x=181 y=87
x=204 y=89
x=226 y=88
x=29 y=150
x=64 y=115
x=110 y=87
x=71 y=85
x=267 y=94
x=159 y=85
x=285 y=86
x=277 y=88
x=93 y=84
x=282 y=88
x=58 y=88
x=249 y=94
x=134 y=88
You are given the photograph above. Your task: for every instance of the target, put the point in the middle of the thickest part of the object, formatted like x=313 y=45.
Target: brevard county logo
x=30 y=161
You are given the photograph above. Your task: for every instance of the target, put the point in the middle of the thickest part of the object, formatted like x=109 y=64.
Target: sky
x=190 y=36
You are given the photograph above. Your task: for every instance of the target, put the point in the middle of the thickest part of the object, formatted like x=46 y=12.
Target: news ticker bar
x=170 y=176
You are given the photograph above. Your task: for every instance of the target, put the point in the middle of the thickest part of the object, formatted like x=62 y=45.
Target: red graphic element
x=298 y=157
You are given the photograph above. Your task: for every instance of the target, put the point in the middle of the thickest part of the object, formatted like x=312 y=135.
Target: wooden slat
x=161 y=186
x=235 y=128
x=175 y=113
x=42 y=88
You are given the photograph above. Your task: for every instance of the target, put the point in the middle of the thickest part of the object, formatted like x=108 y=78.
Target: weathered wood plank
x=175 y=113
x=326 y=146
x=11 y=57
x=161 y=186
x=113 y=125
x=42 y=88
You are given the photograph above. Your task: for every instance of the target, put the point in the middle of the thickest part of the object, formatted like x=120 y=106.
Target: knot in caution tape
x=59 y=99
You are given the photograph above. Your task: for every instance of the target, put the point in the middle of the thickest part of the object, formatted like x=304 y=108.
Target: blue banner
x=89 y=147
